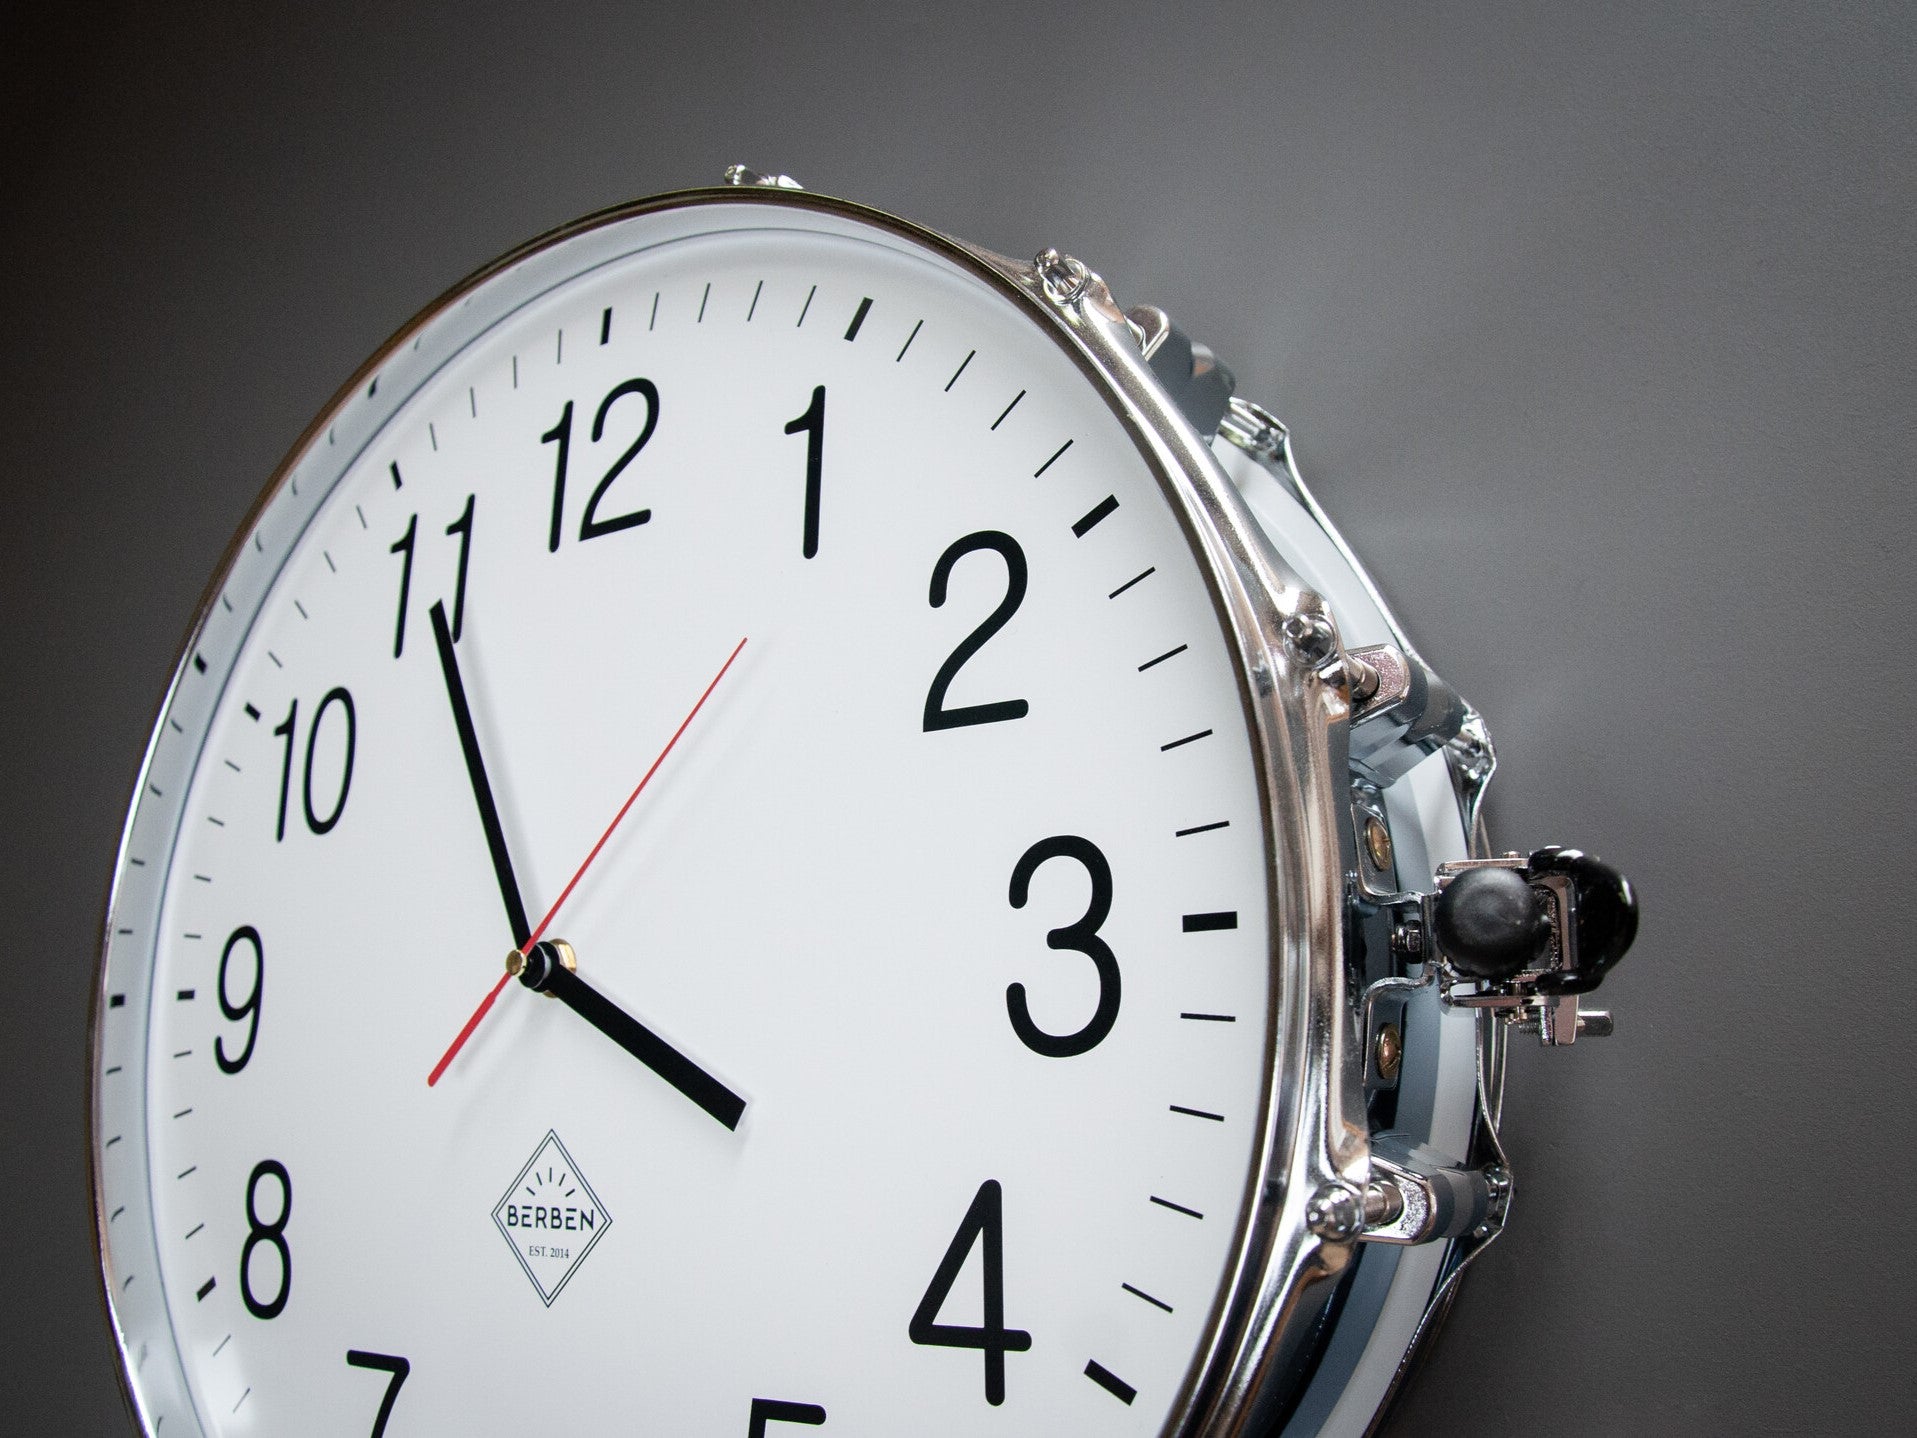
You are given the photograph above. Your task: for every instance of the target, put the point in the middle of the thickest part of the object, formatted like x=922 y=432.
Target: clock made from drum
x=953 y=881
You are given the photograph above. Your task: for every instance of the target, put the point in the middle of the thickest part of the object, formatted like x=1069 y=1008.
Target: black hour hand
x=545 y=972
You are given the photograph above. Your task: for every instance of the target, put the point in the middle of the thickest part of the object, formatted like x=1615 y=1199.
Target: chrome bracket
x=1417 y=1195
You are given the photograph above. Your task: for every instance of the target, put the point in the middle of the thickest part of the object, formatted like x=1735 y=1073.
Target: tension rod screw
x=1335 y=1213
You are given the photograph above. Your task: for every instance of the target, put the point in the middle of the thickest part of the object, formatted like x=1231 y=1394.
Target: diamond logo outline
x=536 y=1180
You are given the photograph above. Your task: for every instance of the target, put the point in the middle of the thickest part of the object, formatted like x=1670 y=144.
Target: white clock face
x=946 y=914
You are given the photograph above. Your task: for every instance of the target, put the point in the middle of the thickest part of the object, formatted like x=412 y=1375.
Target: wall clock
x=776 y=822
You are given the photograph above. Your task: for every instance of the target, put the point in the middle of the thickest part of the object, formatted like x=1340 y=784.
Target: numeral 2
x=984 y=1219
x=591 y=527
x=937 y=716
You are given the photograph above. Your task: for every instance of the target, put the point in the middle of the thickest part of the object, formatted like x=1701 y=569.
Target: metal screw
x=1335 y=1213
x=1378 y=844
x=1312 y=636
x=1064 y=278
x=1390 y=1052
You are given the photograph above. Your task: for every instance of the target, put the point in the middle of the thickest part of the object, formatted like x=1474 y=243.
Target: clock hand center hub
x=534 y=968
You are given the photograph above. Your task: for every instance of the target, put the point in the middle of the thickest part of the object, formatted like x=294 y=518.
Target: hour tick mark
x=858 y=318
x=605 y=325
x=752 y=308
x=1176 y=1208
x=908 y=341
x=1188 y=739
x=1141 y=1293
x=252 y=713
x=184 y=996
x=205 y=1288
x=1109 y=1381
x=1201 y=828
x=1168 y=654
x=116 y=1001
x=199 y=663
x=702 y=303
x=1196 y=1112
x=1053 y=460
x=959 y=371
x=805 y=308
x=1094 y=515
x=1008 y=409
x=373 y=388
x=1207 y=923
x=394 y=466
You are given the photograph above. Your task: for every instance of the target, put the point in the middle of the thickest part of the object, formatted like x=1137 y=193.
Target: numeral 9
x=247 y=1008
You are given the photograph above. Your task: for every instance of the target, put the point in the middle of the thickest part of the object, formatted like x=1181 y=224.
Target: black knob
x=1490 y=923
x=1606 y=917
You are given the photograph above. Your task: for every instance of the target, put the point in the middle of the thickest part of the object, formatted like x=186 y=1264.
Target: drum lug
x=1417 y=1195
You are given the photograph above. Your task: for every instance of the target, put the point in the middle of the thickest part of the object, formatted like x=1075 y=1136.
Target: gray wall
x=1594 y=323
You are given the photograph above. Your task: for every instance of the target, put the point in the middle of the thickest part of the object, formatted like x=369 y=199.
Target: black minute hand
x=476 y=771
x=544 y=973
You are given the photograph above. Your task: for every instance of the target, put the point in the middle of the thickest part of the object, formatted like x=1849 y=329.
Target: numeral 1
x=812 y=425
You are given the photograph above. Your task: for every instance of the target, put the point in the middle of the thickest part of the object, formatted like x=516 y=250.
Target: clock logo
x=551 y=1217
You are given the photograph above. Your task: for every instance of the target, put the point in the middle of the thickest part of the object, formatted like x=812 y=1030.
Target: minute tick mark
x=655 y=311
x=1141 y=1293
x=1168 y=654
x=1110 y=1381
x=1054 y=460
x=1188 y=739
x=1094 y=516
x=752 y=308
x=805 y=308
x=1177 y=1207
x=1008 y=409
x=1196 y=1112
x=908 y=341
x=1130 y=582
x=959 y=371
x=1208 y=923
x=702 y=303
x=1201 y=829
x=1212 y=1018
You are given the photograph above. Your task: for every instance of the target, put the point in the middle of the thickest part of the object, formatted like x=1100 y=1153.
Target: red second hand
x=486 y=1004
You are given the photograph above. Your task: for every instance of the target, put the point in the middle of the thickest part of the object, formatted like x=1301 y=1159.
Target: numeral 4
x=983 y=1220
